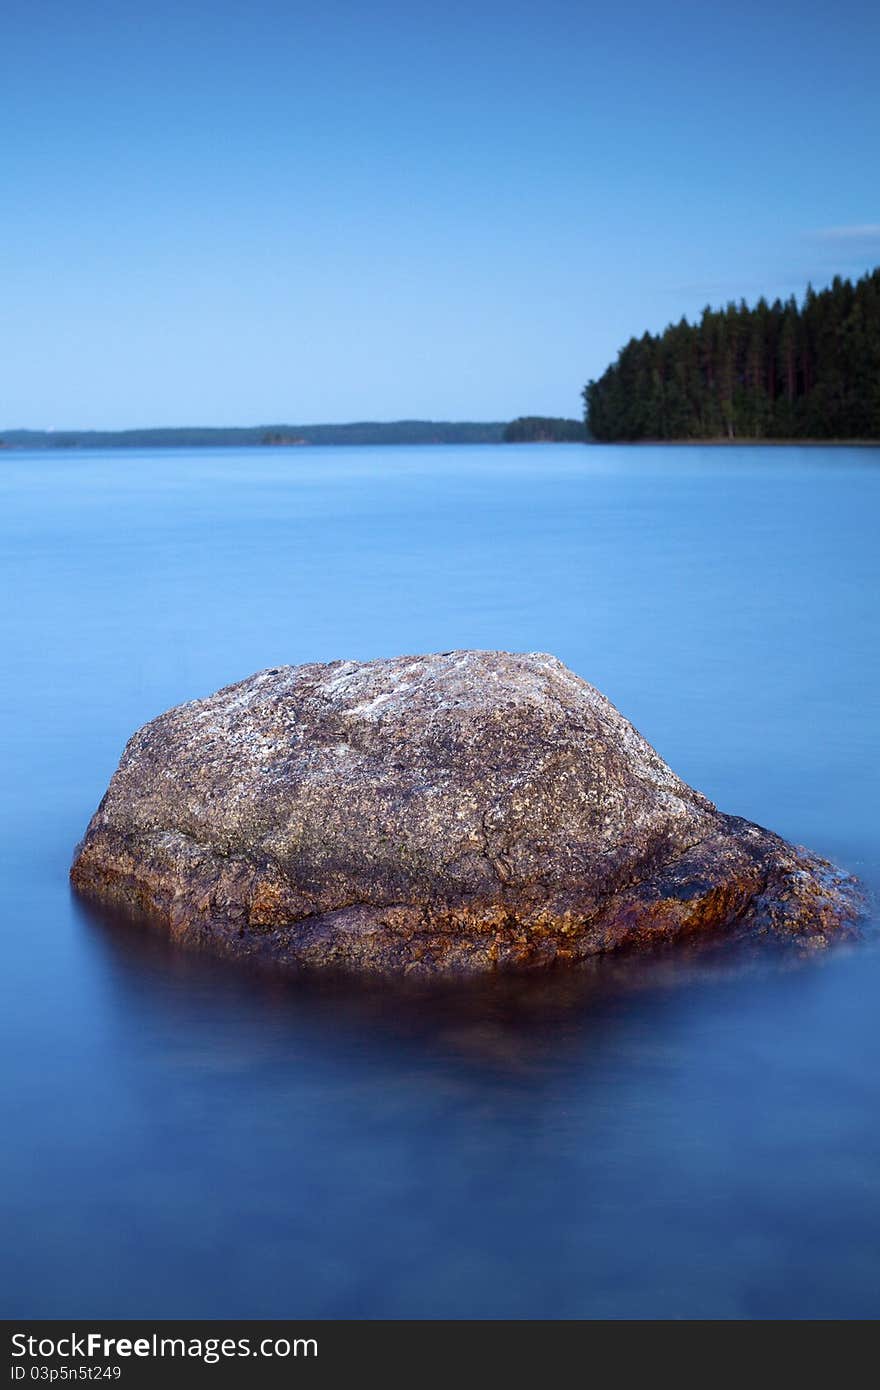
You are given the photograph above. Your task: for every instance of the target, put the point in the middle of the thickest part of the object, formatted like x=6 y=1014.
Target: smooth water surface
x=695 y=1135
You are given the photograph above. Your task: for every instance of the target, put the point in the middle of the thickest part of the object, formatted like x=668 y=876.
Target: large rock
x=468 y=811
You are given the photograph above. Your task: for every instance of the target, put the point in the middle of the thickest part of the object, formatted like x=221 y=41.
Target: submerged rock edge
x=493 y=811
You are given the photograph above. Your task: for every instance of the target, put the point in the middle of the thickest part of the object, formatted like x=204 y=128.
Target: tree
x=775 y=371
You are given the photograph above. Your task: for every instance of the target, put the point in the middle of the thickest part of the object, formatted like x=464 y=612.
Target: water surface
x=695 y=1135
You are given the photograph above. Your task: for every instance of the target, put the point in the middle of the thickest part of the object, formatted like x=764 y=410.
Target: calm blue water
x=689 y=1136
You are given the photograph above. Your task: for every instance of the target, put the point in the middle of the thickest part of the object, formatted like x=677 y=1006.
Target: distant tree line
x=366 y=432
x=775 y=371
x=544 y=429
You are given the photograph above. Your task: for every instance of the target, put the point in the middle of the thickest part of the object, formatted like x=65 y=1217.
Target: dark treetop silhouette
x=776 y=371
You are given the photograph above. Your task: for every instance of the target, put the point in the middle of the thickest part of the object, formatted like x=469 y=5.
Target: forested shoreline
x=783 y=371
x=361 y=432
x=780 y=371
x=545 y=429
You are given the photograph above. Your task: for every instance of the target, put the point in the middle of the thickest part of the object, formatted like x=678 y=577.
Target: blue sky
x=237 y=213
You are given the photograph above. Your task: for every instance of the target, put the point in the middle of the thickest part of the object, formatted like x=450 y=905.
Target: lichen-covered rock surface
x=469 y=811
